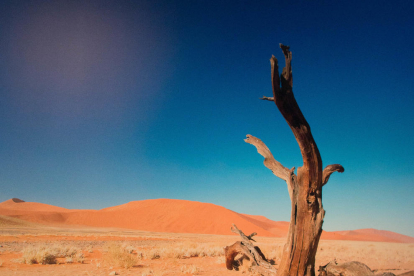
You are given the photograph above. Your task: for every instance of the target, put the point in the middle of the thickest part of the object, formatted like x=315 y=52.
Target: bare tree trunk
x=305 y=188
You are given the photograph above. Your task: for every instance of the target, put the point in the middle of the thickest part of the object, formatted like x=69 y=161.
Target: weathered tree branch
x=289 y=108
x=287 y=80
x=259 y=263
x=248 y=238
x=349 y=268
x=230 y=252
x=270 y=162
x=272 y=99
x=329 y=170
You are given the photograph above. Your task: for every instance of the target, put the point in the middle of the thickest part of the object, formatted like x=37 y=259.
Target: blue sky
x=106 y=102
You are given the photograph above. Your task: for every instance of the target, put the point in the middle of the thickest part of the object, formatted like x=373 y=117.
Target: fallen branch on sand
x=259 y=264
x=352 y=269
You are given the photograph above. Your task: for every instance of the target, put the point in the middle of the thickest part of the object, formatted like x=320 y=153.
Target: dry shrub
x=46 y=253
x=66 y=251
x=39 y=255
x=118 y=255
x=128 y=248
x=80 y=258
x=185 y=250
x=154 y=253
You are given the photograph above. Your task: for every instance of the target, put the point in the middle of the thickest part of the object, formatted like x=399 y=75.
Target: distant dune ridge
x=175 y=216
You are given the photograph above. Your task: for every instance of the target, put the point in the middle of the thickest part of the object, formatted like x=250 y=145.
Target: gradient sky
x=106 y=102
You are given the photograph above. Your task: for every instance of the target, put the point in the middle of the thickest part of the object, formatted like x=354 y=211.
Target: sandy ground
x=93 y=242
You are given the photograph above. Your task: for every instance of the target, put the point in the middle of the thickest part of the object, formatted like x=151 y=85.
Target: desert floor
x=98 y=251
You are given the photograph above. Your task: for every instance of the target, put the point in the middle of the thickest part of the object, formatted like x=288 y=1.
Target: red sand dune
x=388 y=234
x=168 y=215
x=367 y=235
x=176 y=216
x=18 y=205
x=160 y=215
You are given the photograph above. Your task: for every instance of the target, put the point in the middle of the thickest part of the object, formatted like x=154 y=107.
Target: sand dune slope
x=6 y=222
x=18 y=205
x=169 y=215
x=161 y=215
x=367 y=235
x=175 y=216
x=279 y=228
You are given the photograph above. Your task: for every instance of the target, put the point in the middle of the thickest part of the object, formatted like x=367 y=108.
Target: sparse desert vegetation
x=184 y=250
x=120 y=255
x=93 y=251
x=47 y=253
x=28 y=247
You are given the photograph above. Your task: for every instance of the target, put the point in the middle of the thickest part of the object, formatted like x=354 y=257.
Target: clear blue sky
x=106 y=102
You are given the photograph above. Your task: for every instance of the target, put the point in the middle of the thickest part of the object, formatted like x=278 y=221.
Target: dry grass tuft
x=185 y=250
x=38 y=255
x=128 y=248
x=47 y=254
x=153 y=254
x=118 y=255
x=80 y=258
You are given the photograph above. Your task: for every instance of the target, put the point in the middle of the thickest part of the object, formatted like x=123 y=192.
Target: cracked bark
x=305 y=187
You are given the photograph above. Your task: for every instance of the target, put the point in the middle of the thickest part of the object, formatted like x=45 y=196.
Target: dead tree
x=305 y=187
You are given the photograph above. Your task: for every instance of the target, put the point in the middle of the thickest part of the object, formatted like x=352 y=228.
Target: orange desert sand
x=168 y=237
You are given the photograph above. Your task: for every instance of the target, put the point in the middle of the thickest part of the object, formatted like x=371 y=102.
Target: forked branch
x=287 y=105
x=248 y=238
